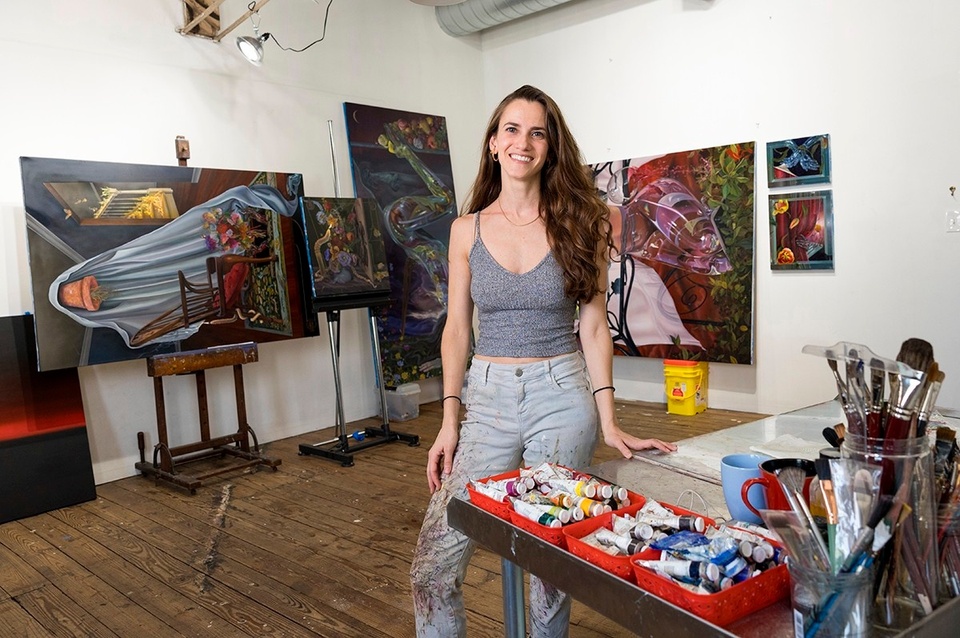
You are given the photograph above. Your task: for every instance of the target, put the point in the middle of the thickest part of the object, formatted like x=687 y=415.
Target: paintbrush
x=875 y=411
x=834 y=435
x=826 y=487
x=854 y=421
x=864 y=542
x=791 y=480
x=935 y=378
x=884 y=518
x=918 y=355
x=905 y=395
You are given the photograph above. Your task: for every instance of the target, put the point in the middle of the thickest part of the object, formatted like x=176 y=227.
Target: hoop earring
x=495 y=157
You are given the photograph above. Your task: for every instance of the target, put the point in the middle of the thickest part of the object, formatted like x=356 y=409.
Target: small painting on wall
x=798 y=162
x=801 y=231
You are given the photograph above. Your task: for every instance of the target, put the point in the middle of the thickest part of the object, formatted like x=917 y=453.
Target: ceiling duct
x=471 y=16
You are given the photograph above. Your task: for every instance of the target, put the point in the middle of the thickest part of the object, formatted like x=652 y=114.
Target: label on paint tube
x=533 y=513
x=577 y=488
x=625 y=544
x=491 y=491
x=673 y=521
x=512 y=486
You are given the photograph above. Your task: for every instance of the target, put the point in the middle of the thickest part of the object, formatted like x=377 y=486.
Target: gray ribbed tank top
x=525 y=315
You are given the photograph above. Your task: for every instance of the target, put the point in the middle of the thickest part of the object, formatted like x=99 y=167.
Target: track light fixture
x=252 y=46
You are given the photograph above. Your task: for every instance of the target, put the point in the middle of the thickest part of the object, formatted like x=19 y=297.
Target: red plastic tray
x=620 y=565
x=720 y=608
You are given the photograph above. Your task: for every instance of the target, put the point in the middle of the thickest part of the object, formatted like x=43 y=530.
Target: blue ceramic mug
x=735 y=469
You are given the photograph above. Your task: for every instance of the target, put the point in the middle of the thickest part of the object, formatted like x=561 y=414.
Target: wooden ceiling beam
x=205 y=12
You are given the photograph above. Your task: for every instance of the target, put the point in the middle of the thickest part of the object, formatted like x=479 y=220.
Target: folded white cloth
x=789 y=446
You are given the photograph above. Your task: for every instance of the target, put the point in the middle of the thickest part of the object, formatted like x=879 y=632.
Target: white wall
x=638 y=78
x=114 y=81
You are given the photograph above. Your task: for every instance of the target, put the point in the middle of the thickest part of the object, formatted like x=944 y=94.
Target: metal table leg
x=511 y=577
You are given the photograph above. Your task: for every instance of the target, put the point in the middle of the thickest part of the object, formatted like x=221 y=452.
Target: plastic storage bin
x=685 y=384
x=403 y=402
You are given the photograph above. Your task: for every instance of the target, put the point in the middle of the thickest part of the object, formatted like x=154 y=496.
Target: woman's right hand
x=440 y=459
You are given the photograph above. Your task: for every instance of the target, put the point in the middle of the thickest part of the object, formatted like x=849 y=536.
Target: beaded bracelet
x=606 y=387
x=452 y=396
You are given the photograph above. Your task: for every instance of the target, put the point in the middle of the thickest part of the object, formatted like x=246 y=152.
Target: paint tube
x=681 y=541
x=491 y=491
x=542 y=473
x=557 y=496
x=533 y=513
x=722 y=551
x=625 y=544
x=561 y=514
x=643 y=531
x=589 y=506
x=512 y=486
x=601 y=490
x=673 y=521
x=564 y=514
x=685 y=570
x=622 y=524
x=655 y=508
x=744 y=535
x=750 y=527
x=575 y=487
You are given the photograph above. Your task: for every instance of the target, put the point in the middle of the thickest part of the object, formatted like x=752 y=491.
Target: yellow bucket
x=685 y=384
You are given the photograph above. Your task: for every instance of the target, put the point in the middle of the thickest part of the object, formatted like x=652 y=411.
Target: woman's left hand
x=627 y=443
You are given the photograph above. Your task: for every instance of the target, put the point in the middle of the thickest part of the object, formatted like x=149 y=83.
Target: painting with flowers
x=401 y=161
x=681 y=281
x=348 y=260
x=801 y=161
x=130 y=260
x=801 y=231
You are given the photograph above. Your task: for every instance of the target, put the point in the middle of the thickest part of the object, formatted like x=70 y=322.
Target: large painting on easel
x=681 y=283
x=401 y=160
x=129 y=260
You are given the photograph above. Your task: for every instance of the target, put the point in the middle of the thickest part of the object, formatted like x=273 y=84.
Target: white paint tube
x=625 y=544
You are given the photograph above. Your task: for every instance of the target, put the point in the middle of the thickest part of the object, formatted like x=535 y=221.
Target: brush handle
x=798 y=505
x=911 y=558
x=874 y=418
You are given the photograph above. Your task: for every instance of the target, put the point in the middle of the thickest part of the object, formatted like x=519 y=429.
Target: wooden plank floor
x=313 y=549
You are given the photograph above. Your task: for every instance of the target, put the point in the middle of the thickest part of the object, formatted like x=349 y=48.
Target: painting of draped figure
x=681 y=279
x=401 y=161
x=128 y=260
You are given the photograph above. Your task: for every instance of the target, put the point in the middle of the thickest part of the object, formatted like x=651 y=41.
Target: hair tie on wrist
x=606 y=387
x=451 y=396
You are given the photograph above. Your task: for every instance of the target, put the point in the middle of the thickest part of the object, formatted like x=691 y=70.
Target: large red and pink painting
x=681 y=282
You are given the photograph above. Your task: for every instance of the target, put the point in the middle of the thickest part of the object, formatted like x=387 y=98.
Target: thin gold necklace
x=500 y=206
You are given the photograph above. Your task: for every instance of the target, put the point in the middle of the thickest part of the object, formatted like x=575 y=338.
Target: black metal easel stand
x=341 y=450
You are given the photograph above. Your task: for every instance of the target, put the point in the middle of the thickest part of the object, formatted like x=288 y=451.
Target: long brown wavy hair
x=576 y=218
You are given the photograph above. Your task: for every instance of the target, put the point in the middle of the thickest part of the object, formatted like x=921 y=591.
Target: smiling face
x=520 y=140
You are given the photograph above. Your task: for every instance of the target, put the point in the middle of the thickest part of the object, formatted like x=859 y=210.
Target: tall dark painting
x=131 y=260
x=401 y=160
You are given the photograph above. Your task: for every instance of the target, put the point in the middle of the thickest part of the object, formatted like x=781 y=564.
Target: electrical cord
x=326 y=16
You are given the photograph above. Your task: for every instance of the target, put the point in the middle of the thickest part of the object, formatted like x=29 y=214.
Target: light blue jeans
x=516 y=414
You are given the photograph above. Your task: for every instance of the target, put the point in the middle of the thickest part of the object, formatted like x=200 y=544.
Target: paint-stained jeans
x=517 y=414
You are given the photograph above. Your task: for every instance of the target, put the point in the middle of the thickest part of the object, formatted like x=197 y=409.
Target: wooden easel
x=167 y=460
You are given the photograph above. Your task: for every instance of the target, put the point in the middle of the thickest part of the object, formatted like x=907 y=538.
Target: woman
x=532 y=257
